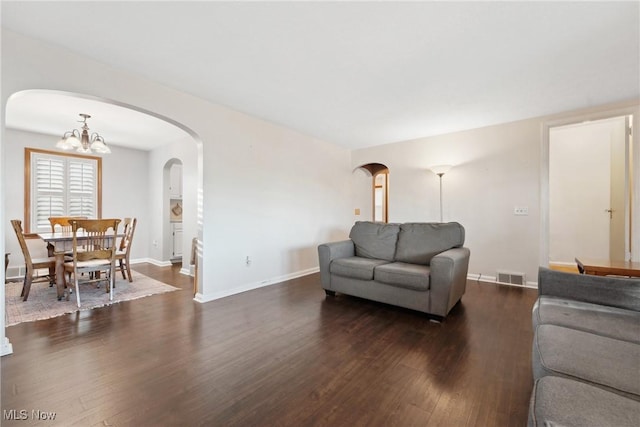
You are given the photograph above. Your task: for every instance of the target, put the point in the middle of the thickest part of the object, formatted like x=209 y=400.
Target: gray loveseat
x=586 y=351
x=420 y=266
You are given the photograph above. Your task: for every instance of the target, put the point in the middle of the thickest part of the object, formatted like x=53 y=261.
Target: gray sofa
x=586 y=351
x=420 y=266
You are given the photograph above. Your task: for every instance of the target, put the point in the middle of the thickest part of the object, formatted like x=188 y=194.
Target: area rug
x=43 y=303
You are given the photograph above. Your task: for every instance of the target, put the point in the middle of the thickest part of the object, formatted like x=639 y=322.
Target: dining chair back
x=32 y=265
x=94 y=250
x=124 y=251
x=62 y=223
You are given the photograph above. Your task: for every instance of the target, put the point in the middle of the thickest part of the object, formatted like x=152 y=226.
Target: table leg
x=60 y=285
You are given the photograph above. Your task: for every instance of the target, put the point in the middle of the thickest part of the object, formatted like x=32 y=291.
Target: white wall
x=266 y=191
x=495 y=169
x=124 y=184
x=276 y=196
x=187 y=152
x=362 y=194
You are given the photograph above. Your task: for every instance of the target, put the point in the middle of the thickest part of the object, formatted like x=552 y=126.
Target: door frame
x=633 y=223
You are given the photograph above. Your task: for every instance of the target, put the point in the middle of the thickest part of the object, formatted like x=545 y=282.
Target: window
x=58 y=184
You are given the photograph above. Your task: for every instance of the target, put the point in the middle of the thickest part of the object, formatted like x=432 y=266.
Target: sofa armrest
x=604 y=290
x=448 y=279
x=327 y=252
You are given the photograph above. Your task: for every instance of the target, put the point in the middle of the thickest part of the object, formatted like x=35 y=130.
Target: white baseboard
x=250 y=286
x=187 y=271
x=17 y=272
x=492 y=279
x=152 y=261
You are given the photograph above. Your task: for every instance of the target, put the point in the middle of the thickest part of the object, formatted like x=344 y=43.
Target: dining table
x=59 y=245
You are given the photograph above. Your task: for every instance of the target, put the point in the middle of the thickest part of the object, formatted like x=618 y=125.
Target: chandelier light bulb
x=81 y=140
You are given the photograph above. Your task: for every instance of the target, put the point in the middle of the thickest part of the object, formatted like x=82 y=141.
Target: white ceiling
x=53 y=113
x=361 y=73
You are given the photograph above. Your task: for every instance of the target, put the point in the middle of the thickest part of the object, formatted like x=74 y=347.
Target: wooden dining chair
x=32 y=265
x=62 y=223
x=94 y=251
x=124 y=250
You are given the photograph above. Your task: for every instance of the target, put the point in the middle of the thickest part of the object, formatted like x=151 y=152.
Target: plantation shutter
x=82 y=188
x=62 y=186
x=49 y=190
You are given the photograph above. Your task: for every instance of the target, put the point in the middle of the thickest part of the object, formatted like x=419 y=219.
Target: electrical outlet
x=357 y=211
x=521 y=210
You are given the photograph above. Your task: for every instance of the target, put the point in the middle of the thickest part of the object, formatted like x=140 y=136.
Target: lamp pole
x=440 y=170
x=440 y=176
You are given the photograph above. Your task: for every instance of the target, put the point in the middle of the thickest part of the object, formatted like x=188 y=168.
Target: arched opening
x=173 y=202
x=377 y=183
x=107 y=114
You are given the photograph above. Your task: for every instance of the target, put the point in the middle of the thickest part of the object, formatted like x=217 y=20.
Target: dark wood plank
x=281 y=355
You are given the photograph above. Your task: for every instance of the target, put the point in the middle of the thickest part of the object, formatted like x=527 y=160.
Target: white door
x=587 y=191
x=619 y=194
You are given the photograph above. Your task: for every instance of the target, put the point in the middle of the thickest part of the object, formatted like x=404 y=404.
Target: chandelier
x=81 y=141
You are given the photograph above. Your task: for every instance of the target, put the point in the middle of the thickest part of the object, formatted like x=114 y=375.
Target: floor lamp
x=440 y=170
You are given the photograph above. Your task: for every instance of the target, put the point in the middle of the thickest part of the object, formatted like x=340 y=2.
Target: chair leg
x=120 y=262
x=107 y=280
x=67 y=288
x=75 y=277
x=27 y=286
x=112 y=279
x=52 y=276
x=129 y=271
x=24 y=281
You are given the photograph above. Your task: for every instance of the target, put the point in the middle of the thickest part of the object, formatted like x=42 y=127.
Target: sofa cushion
x=599 y=319
x=375 y=240
x=419 y=242
x=403 y=275
x=355 y=267
x=559 y=401
x=604 y=361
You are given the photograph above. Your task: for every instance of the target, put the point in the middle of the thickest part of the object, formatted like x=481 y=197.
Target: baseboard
x=17 y=272
x=492 y=279
x=151 y=261
x=187 y=271
x=255 y=285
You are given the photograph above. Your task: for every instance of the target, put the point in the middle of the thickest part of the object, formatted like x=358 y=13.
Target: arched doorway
x=378 y=183
x=31 y=100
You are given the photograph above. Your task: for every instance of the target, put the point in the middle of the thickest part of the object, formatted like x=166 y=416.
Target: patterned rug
x=43 y=303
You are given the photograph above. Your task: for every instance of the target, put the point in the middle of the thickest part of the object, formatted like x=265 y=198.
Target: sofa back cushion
x=419 y=242
x=374 y=239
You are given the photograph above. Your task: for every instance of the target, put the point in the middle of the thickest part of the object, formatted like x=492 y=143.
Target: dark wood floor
x=281 y=355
